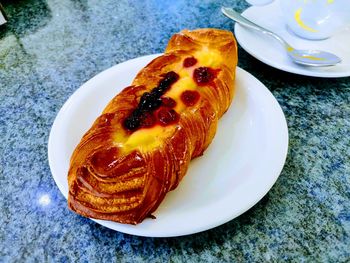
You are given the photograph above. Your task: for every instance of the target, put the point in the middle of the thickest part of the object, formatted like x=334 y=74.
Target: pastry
x=140 y=147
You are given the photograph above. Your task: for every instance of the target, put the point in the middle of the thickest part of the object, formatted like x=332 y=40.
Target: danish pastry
x=140 y=147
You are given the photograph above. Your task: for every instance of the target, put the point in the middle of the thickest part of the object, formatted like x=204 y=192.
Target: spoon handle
x=235 y=16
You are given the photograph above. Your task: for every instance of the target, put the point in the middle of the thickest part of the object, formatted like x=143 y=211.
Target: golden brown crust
x=111 y=177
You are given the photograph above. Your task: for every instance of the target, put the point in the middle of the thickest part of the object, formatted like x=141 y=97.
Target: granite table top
x=49 y=48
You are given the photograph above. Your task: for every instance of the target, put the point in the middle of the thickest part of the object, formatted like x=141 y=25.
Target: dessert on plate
x=140 y=147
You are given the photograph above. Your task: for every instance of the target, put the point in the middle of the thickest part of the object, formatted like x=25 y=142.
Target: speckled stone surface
x=50 y=48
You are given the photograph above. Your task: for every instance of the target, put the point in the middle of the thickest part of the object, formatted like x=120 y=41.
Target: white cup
x=313 y=19
x=259 y=2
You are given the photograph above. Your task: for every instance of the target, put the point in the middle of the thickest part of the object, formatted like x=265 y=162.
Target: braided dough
x=140 y=147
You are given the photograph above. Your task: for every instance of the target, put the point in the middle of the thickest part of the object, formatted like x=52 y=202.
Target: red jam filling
x=167 y=116
x=143 y=115
x=148 y=120
x=204 y=75
x=190 y=97
x=168 y=102
x=189 y=62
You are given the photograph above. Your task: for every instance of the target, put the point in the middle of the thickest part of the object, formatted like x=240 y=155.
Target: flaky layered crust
x=122 y=174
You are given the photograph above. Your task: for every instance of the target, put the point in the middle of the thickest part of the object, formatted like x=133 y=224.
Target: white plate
x=269 y=51
x=235 y=172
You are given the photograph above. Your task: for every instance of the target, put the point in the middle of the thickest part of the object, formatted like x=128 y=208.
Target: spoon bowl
x=311 y=58
x=314 y=58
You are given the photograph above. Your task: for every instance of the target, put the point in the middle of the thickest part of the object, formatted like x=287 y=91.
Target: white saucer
x=236 y=171
x=269 y=51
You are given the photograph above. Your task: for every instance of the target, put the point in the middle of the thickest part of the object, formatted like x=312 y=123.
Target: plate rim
x=122 y=229
x=238 y=29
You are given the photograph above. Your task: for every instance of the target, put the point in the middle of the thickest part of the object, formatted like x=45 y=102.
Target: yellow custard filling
x=147 y=139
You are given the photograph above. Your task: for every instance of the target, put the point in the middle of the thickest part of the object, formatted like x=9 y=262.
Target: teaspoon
x=314 y=58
